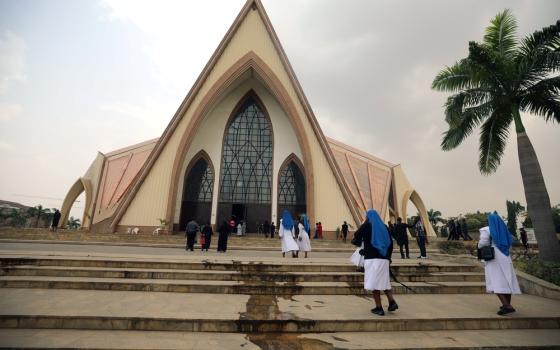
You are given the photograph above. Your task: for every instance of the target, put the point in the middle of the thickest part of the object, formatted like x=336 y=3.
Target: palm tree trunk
x=538 y=202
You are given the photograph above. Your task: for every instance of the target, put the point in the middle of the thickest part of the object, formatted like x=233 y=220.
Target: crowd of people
x=374 y=241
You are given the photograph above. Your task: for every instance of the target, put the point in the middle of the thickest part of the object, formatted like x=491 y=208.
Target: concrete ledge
x=535 y=286
x=268 y=325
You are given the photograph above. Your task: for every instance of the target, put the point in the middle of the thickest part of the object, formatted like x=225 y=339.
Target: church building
x=245 y=143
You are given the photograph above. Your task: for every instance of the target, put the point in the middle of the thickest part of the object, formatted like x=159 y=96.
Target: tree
x=17 y=218
x=73 y=223
x=513 y=210
x=37 y=212
x=501 y=77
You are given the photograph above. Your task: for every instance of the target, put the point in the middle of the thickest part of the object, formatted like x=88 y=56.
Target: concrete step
x=145 y=340
x=134 y=273
x=224 y=264
x=110 y=310
x=230 y=287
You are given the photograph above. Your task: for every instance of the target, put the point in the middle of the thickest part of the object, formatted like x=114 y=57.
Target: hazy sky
x=77 y=77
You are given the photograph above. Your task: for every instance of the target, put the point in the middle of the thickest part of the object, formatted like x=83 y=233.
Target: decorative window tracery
x=291 y=186
x=199 y=182
x=246 y=172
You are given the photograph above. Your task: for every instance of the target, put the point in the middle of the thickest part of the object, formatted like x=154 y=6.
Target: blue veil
x=499 y=232
x=287 y=220
x=379 y=235
x=305 y=223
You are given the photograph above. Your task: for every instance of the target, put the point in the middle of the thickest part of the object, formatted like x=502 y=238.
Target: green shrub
x=548 y=271
x=452 y=247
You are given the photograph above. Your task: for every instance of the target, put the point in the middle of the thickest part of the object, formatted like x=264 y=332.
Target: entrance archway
x=246 y=170
x=80 y=186
x=412 y=197
x=196 y=202
x=291 y=188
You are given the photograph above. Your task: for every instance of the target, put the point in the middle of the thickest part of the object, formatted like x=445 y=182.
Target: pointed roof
x=160 y=145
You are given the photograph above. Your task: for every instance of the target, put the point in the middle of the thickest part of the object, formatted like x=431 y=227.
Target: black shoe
x=505 y=310
x=393 y=306
x=360 y=269
x=378 y=311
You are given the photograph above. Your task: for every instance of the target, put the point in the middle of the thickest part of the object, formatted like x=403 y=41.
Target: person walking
x=286 y=234
x=223 y=233
x=401 y=236
x=344 y=231
x=192 y=229
x=421 y=237
x=465 y=230
x=207 y=233
x=320 y=230
x=272 y=229
x=303 y=240
x=377 y=252
x=266 y=228
x=452 y=230
x=499 y=272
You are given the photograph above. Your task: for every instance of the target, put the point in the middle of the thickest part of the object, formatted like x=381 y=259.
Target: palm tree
x=434 y=216
x=513 y=210
x=17 y=217
x=73 y=223
x=501 y=77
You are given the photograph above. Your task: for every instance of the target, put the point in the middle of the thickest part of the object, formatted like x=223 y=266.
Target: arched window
x=199 y=182
x=246 y=171
x=197 y=192
x=246 y=174
x=291 y=186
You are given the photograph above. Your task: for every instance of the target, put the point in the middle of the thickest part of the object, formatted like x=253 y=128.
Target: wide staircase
x=227 y=301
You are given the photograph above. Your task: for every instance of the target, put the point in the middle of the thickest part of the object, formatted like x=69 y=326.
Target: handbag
x=486 y=253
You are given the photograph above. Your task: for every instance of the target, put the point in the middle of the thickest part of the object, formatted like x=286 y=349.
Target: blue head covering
x=499 y=232
x=305 y=223
x=287 y=220
x=379 y=235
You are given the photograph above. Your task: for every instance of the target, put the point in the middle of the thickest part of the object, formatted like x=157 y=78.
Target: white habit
x=376 y=275
x=303 y=240
x=287 y=236
x=499 y=272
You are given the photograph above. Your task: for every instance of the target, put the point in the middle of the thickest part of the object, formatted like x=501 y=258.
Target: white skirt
x=303 y=242
x=356 y=258
x=500 y=275
x=376 y=276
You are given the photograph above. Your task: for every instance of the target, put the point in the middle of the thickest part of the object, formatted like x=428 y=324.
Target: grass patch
x=548 y=271
x=452 y=247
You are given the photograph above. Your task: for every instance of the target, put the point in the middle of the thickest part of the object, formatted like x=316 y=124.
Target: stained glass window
x=247 y=157
x=291 y=187
x=199 y=183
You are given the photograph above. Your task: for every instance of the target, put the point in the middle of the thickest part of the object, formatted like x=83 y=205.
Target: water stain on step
x=287 y=341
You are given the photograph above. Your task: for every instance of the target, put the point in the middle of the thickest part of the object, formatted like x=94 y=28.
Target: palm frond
x=493 y=137
x=454 y=78
x=462 y=124
x=501 y=34
x=543 y=99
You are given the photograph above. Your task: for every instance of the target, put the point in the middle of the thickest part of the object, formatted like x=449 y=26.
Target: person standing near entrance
x=192 y=229
x=286 y=234
x=421 y=237
x=304 y=242
x=207 y=233
x=272 y=229
x=499 y=273
x=223 y=233
x=239 y=229
x=401 y=235
x=377 y=252
x=266 y=228
x=320 y=230
x=344 y=231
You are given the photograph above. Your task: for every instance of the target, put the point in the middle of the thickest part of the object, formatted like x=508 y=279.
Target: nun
x=303 y=240
x=377 y=251
x=286 y=234
x=499 y=273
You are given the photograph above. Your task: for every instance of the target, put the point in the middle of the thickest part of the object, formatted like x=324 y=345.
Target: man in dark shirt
x=192 y=229
x=401 y=235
